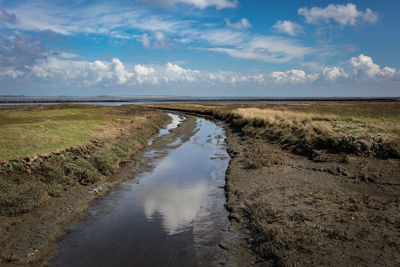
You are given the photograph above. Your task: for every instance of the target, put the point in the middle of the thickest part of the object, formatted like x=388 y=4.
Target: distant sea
x=141 y=100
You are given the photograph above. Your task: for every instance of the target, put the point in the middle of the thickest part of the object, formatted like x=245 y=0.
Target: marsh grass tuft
x=14 y=201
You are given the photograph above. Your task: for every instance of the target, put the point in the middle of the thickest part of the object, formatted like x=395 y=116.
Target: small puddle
x=176 y=120
x=171 y=214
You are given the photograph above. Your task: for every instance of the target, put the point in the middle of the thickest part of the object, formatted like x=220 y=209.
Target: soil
x=31 y=238
x=329 y=209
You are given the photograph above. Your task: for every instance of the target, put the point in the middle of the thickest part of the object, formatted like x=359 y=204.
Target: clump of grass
x=15 y=166
x=54 y=189
x=53 y=172
x=105 y=161
x=81 y=170
x=17 y=201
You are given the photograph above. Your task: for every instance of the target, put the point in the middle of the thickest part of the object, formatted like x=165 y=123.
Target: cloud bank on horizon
x=199 y=47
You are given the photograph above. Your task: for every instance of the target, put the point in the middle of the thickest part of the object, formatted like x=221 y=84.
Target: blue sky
x=200 y=47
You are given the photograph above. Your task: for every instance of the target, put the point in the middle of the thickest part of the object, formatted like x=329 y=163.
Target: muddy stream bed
x=171 y=214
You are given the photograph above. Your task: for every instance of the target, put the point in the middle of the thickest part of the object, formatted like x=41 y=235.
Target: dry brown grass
x=275 y=116
x=361 y=128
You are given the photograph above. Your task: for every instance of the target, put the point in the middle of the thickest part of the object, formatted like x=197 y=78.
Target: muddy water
x=171 y=214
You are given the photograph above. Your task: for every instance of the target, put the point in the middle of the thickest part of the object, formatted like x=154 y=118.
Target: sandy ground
x=330 y=209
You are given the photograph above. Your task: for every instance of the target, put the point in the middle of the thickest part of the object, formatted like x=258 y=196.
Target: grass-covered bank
x=48 y=150
x=358 y=128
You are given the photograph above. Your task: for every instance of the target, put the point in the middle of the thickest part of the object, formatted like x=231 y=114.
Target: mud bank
x=30 y=238
x=332 y=209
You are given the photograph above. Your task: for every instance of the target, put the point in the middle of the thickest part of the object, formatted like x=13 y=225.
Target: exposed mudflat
x=330 y=209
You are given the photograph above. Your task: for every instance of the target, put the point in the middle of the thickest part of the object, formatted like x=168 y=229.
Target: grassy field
x=39 y=130
x=91 y=142
x=370 y=128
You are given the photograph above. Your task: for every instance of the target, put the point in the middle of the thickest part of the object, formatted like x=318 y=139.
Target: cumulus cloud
x=288 y=27
x=361 y=68
x=56 y=68
x=342 y=14
x=120 y=71
x=334 y=73
x=143 y=74
x=292 y=77
x=242 y=24
x=364 y=67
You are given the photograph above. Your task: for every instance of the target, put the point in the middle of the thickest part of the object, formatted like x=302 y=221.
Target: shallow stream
x=171 y=214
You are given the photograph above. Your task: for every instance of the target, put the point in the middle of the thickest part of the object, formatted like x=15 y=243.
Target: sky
x=286 y=48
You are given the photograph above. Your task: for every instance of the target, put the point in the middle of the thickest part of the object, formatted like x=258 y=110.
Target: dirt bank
x=332 y=209
x=30 y=237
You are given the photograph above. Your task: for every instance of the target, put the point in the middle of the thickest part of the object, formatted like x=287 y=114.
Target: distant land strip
x=166 y=99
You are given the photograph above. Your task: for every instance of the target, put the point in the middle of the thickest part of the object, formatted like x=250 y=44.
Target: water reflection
x=175 y=207
x=176 y=120
x=178 y=206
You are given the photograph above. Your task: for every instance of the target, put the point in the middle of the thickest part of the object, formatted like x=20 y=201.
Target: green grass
x=28 y=133
x=27 y=185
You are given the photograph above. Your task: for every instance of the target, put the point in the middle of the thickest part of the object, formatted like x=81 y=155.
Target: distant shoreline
x=58 y=100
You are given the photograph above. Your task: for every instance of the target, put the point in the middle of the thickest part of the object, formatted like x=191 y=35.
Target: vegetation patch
x=360 y=128
x=105 y=137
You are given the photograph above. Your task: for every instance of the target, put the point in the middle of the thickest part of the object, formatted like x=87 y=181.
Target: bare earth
x=332 y=209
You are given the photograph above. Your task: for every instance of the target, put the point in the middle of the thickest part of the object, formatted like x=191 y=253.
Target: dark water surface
x=172 y=214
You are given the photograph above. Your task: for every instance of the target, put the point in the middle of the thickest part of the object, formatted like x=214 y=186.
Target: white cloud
x=288 y=27
x=242 y=24
x=364 y=67
x=342 y=14
x=156 y=31
x=67 y=55
x=143 y=70
x=143 y=74
x=292 y=77
x=100 y=18
x=144 y=39
x=120 y=71
x=267 y=49
x=218 y=4
x=361 y=68
x=99 y=73
x=10 y=73
x=334 y=73
x=157 y=40
x=219 y=37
